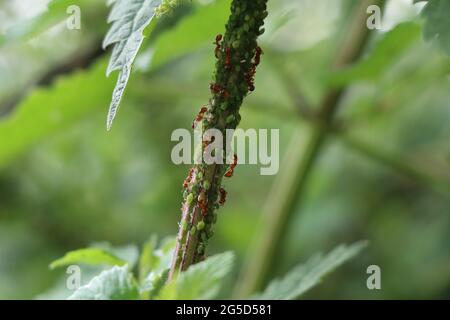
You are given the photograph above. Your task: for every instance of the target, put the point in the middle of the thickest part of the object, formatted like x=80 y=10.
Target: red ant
x=249 y=78
x=223 y=196
x=227 y=58
x=258 y=54
x=230 y=171
x=218 y=46
x=199 y=117
x=215 y=88
x=189 y=178
x=250 y=75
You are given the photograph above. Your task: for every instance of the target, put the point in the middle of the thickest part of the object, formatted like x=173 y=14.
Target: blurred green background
x=65 y=182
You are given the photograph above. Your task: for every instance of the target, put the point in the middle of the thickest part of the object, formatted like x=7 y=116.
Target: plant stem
x=395 y=163
x=237 y=57
x=289 y=188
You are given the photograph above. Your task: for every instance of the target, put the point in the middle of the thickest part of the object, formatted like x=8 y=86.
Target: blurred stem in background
x=289 y=188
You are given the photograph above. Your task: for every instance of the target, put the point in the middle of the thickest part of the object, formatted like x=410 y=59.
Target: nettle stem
x=238 y=55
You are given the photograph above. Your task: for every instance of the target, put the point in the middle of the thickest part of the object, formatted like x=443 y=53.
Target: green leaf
x=193 y=32
x=152 y=285
x=129 y=19
x=128 y=253
x=55 y=13
x=156 y=260
x=90 y=256
x=73 y=97
x=146 y=259
x=154 y=266
x=437 y=25
x=386 y=52
x=305 y=276
x=113 y=284
x=200 y=281
x=47 y=110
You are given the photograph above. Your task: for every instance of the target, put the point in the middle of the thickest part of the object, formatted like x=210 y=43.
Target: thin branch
x=394 y=162
x=237 y=56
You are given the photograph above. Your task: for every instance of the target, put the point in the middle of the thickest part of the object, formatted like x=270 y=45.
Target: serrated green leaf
x=154 y=266
x=72 y=97
x=305 y=276
x=129 y=19
x=388 y=49
x=146 y=258
x=156 y=260
x=152 y=285
x=113 y=284
x=90 y=256
x=437 y=25
x=128 y=253
x=200 y=281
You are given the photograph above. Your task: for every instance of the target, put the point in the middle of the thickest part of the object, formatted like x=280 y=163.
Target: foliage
x=385 y=52
x=201 y=281
x=47 y=110
x=129 y=18
x=64 y=182
x=55 y=13
x=437 y=26
x=93 y=256
x=114 y=284
x=307 y=275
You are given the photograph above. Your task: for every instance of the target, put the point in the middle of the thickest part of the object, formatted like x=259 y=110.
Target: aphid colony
x=202 y=200
x=196 y=187
x=249 y=76
x=196 y=198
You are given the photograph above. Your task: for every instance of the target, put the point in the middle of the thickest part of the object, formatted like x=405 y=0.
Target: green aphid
x=201 y=248
x=200 y=226
x=230 y=118
x=204 y=236
x=189 y=199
